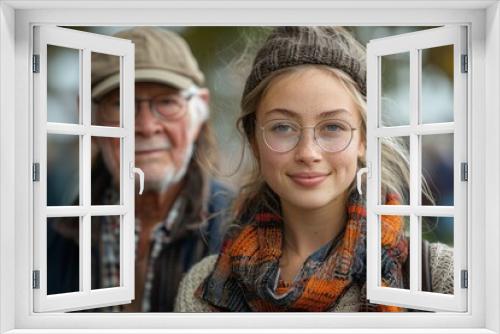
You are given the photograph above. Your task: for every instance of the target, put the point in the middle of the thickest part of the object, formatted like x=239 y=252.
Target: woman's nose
x=307 y=149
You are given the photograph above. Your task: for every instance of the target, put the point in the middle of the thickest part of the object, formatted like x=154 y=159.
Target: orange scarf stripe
x=246 y=243
x=391 y=228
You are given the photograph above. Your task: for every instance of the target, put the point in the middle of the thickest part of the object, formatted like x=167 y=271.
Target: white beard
x=171 y=176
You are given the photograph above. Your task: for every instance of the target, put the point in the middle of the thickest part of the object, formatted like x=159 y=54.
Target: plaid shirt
x=110 y=250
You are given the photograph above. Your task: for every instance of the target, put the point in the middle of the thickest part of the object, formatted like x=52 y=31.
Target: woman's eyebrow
x=322 y=115
x=282 y=111
x=334 y=112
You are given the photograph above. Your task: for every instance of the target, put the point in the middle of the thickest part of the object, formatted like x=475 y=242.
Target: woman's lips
x=308 y=180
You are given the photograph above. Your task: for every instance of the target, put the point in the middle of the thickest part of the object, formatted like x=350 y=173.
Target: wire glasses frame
x=331 y=135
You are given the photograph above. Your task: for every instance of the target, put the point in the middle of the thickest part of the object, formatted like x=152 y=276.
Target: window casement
x=83 y=131
x=477 y=310
x=418 y=127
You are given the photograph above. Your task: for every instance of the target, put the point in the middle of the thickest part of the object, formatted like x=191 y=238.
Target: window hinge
x=465 y=279
x=36 y=63
x=464 y=171
x=36 y=172
x=465 y=66
x=36 y=279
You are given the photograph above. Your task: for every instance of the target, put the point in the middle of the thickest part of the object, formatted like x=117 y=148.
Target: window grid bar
x=415 y=276
x=419 y=210
x=78 y=129
x=93 y=210
x=418 y=129
x=103 y=131
x=81 y=169
x=81 y=172
x=85 y=246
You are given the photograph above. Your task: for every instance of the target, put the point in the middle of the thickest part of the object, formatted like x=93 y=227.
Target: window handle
x=359 y=175
x=135 y=170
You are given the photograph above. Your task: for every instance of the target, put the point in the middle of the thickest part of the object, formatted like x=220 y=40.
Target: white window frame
x=84 y=43
x=412 y=44
x=16 y=20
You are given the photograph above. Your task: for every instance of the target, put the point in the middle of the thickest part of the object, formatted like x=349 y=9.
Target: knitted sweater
x=441 y=271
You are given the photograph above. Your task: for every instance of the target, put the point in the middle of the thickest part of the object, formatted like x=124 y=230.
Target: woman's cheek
x=271 y=167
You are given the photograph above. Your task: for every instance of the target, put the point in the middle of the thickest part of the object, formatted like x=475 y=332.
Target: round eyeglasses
x=332 y=135
x=167 y=107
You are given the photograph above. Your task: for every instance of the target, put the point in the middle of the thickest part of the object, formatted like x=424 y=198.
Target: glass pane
x=395 y=89
x=438 y=232
x=63 y=88
x=106 y=171
x=394 y=250
x=395 y=170
x=63 y=255
x=63 y=165
x=437 y=169
x=437 y=85
x=105 y=259
x=105 y=77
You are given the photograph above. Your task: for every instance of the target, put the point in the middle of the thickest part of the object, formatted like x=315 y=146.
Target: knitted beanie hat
x=292 y=46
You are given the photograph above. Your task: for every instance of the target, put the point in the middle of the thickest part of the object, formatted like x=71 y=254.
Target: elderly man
x=180 y=212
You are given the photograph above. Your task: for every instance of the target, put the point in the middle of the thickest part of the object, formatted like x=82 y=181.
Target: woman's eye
x=282 y=128
x=334 y=127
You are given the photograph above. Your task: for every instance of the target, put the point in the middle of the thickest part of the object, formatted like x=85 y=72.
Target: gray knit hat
x=292 y=46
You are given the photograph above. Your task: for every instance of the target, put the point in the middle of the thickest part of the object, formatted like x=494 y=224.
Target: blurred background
x=224 y=55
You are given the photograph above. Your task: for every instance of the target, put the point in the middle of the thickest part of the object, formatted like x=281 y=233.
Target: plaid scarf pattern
x=246 y=275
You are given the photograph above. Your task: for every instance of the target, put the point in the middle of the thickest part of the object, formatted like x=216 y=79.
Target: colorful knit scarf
x=246 y=275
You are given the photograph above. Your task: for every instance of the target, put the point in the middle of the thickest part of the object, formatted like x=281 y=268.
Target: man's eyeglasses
x=332 y=135
x=167 y=107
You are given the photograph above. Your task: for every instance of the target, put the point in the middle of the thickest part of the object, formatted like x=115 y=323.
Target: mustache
x=147 y=145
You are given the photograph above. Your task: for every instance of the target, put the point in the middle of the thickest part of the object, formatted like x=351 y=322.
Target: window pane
x=437 y=169
x=437 y=85
x=63 y=255
x=395 y=89
x=394 y=169
x=105 y=89
x=63 y=88
x=105 y=251
x=389 y=228
x=63 y=165
x=106 y=171
x=438 y=231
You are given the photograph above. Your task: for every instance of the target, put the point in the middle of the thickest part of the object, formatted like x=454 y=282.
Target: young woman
x=299 y=239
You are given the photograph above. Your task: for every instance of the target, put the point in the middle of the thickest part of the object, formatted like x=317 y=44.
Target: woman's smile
x=308 y=179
